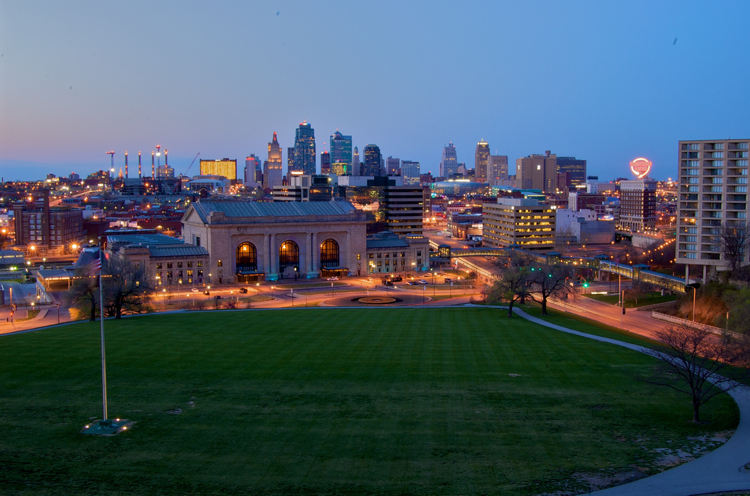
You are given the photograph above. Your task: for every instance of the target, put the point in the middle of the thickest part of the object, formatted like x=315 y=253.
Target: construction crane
x=191 y=163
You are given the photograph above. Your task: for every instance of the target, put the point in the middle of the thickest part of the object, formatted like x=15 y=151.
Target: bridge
x=599 y=263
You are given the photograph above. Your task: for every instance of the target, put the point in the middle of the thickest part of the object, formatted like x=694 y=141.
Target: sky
x=601 y=80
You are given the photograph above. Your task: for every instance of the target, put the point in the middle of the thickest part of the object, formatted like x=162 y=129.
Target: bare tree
x=548 y=281
x=84 y=293
x=513 y=282
x=734 y=240
x=126 y=286
x=693 y=363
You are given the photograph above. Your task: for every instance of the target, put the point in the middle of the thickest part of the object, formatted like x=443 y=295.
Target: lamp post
x=272 y=293
x=424 y=288
x=58 y=313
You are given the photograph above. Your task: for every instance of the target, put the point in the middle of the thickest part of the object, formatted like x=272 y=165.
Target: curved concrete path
x=717 y=471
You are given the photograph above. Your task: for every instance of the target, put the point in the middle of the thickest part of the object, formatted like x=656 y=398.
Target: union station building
x=252 y=241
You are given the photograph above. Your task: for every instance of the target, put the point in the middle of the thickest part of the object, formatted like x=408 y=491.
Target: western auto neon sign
x=640 y=167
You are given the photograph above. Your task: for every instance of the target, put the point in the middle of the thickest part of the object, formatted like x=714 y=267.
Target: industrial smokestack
x=126 y=165
x=153 y=167
x=139 y=165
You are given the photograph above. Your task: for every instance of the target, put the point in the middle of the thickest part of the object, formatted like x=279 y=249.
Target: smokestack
x=165 y=158
x=126 y=165
x=153 y=168
x=139 y=165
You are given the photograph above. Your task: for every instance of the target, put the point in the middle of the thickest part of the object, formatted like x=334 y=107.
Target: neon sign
x=640 y=167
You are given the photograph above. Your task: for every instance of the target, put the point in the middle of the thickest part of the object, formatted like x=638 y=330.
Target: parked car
x=243 y=290
x=413 y=283
x=218 y=297
x=195 y=290
x=334 y=278
x=448 y=279
x=422 y=281
x=397 y=279
x=207 y=292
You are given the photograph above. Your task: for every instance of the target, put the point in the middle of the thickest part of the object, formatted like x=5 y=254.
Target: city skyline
x=613 y=92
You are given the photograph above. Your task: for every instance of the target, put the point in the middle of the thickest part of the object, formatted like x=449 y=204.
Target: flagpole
x=101 y=319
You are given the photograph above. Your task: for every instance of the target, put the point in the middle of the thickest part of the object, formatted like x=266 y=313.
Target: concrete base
x=109 y=427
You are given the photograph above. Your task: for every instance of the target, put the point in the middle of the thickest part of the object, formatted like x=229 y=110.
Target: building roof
x=240 y=209
x=143 y=240
x=177 y=251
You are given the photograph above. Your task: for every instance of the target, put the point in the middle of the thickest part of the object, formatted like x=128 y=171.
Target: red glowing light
x=640 y=167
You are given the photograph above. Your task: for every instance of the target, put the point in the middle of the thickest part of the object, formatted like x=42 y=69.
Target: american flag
x=95 y=267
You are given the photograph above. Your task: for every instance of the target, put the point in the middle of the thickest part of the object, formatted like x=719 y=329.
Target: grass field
x=361 y=401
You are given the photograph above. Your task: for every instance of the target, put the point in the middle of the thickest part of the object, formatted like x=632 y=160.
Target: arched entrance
x=330 y=263
x=246 y=263
x=289 y=260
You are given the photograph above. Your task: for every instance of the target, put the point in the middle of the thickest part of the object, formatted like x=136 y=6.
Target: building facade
x=392 y=166
x=251 y=240
x=304 y=149
x=410 y=172
x=42 y=229
x=638 y=205
x=449 y=162
x=537 y=172
x=341 y=150
x=223 y=167
x=325 y=162
x=387 y=252
x=373 y=159
x=272 y=173
x=575 y=167
x=356 y=166
x=520 y=223
x=404 y=209
x=481 y=160
x=497 y=170
x=712 y=195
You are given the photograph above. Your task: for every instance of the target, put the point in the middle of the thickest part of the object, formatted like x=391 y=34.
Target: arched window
x=329 y=254
x=247 y=258
x=288 y=255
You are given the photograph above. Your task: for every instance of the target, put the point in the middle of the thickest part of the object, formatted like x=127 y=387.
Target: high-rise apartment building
x=497 y=170
x=392 y=166
x=537 y=172
x=449 y=162
x=713 y=195
x=290 y=167
x=410 y=172
x=356 y=166
x=304 y=149
x=481 y=160
x=341 y=149
x=224 y=167
x=325 y=162
x=638 y=205
x=272 y=173
x=373 y=159
x=576 y=168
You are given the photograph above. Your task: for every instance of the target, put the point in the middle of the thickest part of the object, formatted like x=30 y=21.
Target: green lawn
x=360 y=401
x=651 y=299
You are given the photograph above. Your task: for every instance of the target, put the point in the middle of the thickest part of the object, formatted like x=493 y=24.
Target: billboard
x=640 y=167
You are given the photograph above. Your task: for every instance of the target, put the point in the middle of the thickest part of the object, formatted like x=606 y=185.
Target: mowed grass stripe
x=360 y=401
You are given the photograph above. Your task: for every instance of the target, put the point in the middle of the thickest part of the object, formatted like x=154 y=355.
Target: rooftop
x=242 y=209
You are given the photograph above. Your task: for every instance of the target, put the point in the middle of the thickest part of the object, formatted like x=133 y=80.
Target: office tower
x=325 y=162
x=356 y=167
x=497 y=170
x=713 y=196
x=537 y=172
x=341 y=149
x=272 y=173
x=253 y=171
x=373 y=160
x=481 y=159
x=393 y=166
x=290 y=160
x=403 y=209
x=410 y=172
x=449 y=163
x=304 y=149
x=576 y=168
x=519 y=222
x=638 y=205
x=340 y=169
x=224 y=167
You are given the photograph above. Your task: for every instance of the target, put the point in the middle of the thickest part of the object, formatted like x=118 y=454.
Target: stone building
x=250 y=241
x=387 y=252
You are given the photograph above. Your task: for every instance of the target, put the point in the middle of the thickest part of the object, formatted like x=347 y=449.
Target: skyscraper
x=356 y=168
x=449 y=163
x=325 y=162
x=481 y=158
x=373 y=159
x=341 y=149
x=290 y=160
x=410 y=172
x=497 y=170
x=272 y=168
x=576 y=167
x=304 y=149
x=253 y=171
x=537 y=172
x=393 y=166
x=224 y=167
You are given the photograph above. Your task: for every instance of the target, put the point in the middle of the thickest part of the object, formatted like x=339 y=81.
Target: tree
x=548 y=281
x=513 y=282
x=126 y=288
x=733 y=240
x=693 y=363
x=84 y=294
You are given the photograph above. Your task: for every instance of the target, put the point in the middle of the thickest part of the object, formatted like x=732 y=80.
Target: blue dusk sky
x=605 y=81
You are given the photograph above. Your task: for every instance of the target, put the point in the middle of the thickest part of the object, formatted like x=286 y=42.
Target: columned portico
x=315 y=251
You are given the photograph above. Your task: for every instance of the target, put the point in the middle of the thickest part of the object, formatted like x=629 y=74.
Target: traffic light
x=585 y=284
x=623 y=310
